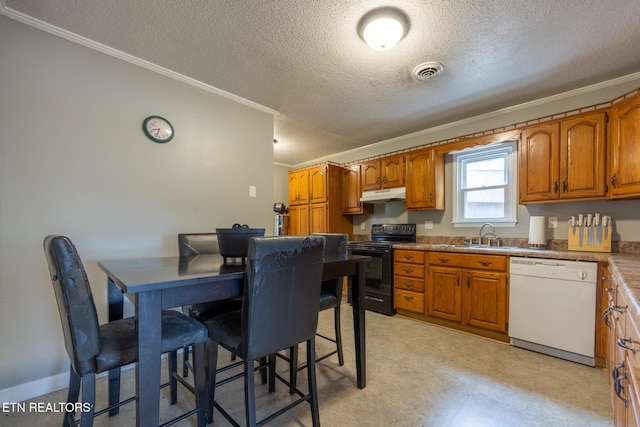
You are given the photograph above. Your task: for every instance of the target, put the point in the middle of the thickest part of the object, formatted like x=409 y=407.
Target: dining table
x=155 y=284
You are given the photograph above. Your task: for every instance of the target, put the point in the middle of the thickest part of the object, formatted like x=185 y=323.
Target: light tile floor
x=418 y=375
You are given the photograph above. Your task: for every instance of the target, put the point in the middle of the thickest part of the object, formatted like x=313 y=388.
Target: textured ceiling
x=333 y=93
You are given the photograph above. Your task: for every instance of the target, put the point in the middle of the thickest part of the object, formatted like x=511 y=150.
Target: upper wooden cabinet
x=425 y=180
x=315 y=197
x=299 y=187
x=387 y=172
x=563 y=160
x=625 y=149
x=352 y=191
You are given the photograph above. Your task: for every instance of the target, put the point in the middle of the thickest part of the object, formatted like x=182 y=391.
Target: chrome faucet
x=492 y=232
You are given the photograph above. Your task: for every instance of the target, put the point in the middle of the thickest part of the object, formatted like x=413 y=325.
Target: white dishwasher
x=552 y=307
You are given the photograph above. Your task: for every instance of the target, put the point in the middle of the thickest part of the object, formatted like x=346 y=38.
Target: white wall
x=74 y=161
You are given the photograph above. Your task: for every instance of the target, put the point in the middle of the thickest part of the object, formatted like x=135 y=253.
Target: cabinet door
x=421 y=180
x=318 y=184
x=539 y=163
x=625 y=149
x=299 y=220
x=318 y=218
x=393 y=171
x=298 y=187
x=444 y=294
x=371 y=175
x=485 y=300
x=582 y=157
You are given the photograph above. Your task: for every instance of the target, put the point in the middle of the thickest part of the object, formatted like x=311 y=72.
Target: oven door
x=378 y=279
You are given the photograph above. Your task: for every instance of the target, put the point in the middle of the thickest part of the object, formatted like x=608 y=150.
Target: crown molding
x=67 y=35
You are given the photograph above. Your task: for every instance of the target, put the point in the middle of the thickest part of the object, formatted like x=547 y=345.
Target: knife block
x=574 y=239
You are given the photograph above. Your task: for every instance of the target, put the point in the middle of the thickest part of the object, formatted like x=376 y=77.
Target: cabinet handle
x=605 y=316
x=613 y=180
x=377 y=180
x=384 y=179
x=622 y=341
x=444 y=260
x=408 y=285
x=408 y=298
x=468 y=284
x=410 y=257
x=616 y=383
x=485 y=263
x=408 y=270
x=564 y=186
x=458 y=281
x=430 y=197
x=555 y=185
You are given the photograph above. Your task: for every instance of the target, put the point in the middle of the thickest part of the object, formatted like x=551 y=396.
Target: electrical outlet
x=552 y=222
x=428 y=225
x=362 y=226
x=252 y=191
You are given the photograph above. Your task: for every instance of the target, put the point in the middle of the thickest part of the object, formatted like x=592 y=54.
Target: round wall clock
x=158 y=129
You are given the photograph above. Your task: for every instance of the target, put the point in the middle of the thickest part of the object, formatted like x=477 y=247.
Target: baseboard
x=41 y=387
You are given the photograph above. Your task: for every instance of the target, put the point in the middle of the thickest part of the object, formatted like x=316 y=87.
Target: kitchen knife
x=580 y=238
x=589 y=230
x=598 y=227
x=572 y=224
x=605 y=224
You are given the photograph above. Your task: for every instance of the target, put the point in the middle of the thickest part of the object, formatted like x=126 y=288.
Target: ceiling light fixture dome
x=383 y=28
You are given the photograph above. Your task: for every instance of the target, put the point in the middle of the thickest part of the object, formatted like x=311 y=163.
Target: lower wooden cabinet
x=409 y=275
x=462 y=291
x=623 y=357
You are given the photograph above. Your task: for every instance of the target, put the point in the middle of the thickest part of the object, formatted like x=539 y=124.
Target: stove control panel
x=393 y=229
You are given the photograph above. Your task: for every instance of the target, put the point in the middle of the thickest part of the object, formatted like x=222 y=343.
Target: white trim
x=67 y=35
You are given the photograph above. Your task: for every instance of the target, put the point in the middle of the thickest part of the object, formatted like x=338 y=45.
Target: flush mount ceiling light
x=383 y=28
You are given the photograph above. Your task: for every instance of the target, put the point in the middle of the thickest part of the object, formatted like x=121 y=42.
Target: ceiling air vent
x=427 y=70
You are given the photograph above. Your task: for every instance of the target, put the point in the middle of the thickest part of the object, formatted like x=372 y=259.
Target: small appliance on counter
x=281 y=225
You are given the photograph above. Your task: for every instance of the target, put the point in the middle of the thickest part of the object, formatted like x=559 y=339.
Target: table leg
x=358 y=303
x=148 y=310
x=115 y=313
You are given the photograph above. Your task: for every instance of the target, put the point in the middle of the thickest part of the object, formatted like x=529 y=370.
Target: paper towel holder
x=537 y=232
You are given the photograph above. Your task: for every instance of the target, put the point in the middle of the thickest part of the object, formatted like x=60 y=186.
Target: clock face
x=157 y=129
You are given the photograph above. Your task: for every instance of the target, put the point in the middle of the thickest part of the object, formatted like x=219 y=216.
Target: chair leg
x=249 y=394
x=313 y=386
x=114 y=391
x=200 y=382
x=293 y=367
x=185 y=362
x=336 y=316
x=264 y=375
x=210 y=371
x=72 y=397
x=272 y=373
x=173 y=383
x=88 y=396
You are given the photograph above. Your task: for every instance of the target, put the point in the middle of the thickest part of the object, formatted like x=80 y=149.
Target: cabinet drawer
x=414 y=257
x=408 y=300
x=403 y=255
x=475 y=261
x=410 y=270
x=401 y=282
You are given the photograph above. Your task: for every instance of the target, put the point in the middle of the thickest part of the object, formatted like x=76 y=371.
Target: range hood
x=382 y=196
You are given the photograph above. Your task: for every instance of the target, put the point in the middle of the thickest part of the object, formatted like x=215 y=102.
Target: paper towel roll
x=537 y=230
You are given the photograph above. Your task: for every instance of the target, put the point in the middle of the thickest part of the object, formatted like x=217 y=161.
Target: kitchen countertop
x=513 y=251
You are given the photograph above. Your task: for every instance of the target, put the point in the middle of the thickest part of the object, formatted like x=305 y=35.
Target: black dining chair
x=279 y=310
x=337 y=245
x=191 y=244
x=95 y=348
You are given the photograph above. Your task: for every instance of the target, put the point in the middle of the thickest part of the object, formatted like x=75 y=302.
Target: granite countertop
x=513 y=251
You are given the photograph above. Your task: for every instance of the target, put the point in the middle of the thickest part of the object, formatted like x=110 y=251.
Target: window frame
x=507 y=150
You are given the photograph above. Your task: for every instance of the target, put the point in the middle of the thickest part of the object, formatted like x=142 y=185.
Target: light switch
x=553 y=222
x=252 y=191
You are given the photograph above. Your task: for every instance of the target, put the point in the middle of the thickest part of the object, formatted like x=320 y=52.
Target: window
x=485 y=186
